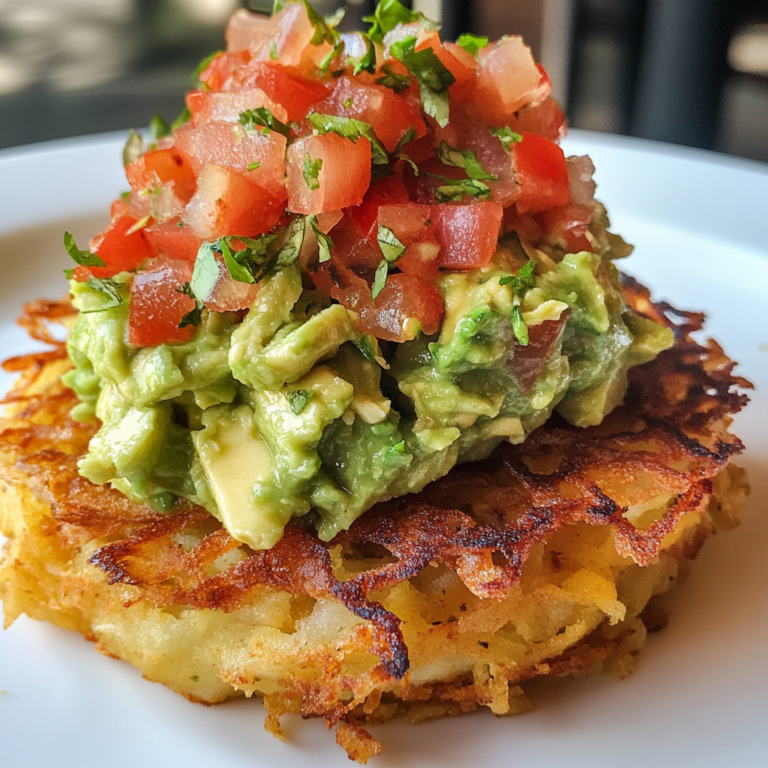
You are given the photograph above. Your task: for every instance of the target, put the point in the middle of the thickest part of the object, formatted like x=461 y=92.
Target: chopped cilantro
x=390 y=79
x=519 y=328
x=298 y=399
x=472 y=43
x=291 y=248
x=254 y=165
x=83 y=258
x=349 y=129
x=433 y=77
x=261 y=119
x=380 y=278
x=463 y=159
x=140 y=224
x=366 y=346
x=158 y=128
x=457 y=188
x=194 y=316
x=324 y=242
x=182 y=119
x=134 y=147
x=237 y=262
x=110 y=288
x=406 y=138
x=206 y=272
x=522 y=281
x=347 y=103
x=367 y=62
x=390 y=13
x=312 y=170
x=506 y=136
x=391 y=247
x=273 y=54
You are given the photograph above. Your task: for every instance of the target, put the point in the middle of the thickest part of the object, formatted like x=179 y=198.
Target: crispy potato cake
x=541 y=560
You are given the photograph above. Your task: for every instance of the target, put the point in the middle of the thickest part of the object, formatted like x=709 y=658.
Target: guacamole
x=290 y=412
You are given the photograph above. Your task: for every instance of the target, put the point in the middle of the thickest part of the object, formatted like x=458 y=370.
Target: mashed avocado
x=290 y=413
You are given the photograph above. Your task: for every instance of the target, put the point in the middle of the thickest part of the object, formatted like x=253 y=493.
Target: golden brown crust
x=494 y=532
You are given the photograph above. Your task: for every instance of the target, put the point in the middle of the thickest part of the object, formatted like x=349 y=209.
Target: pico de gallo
x=353 y=261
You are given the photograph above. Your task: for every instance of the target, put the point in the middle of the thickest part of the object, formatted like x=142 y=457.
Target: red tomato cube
x=340 y=173
x=228 y=105
x=157 y=307
x=542 y=172
x=227 y=203
x=220 y=71
x=173 y=241
x=507 y=80
x=296 y=94
x=388 y=114
x=245 y=29
x=389 y=190
x=232 y=146
x=228 y=295
x=405 y=298
x=468 y=234
x=120 y=248
x=162 y=166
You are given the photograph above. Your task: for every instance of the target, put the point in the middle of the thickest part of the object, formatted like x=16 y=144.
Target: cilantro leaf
x=194 y=316
x=294 y=240
x=83 y=258
x=472 y=43
x=454 y=191
x=182 y=119
x=506 y=136
x=110 y=288
x=519 y=328
x=380 y=278
x=324 y=242
x=261 y=119
x=367 y=62
x=134 y=147
x=298 y=399
x=463 y=159
x=433 y=76
x=206 y=272
x=390 y=13
x=391 y=247
x=522 y=281
x=312 y=170
x=406 y=138
x=237 y=263
x=158 y=128
x=254 y=165
x=366 y=346
x=390 y=79
x=349 y=129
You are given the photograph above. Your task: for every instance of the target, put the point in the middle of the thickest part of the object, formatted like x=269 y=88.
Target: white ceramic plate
x=700 y=694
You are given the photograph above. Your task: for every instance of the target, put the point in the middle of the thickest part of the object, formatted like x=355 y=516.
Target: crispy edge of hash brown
x=541 y=560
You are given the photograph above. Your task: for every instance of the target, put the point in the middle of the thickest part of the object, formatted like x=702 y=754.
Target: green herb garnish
x=390 y=79
x=506 y=136
x=311 y=171
x=456 y=189
x=519 y=328
x=472 y=43
x=261 y=119
x=83 y=258
x=298 y=399
x=349 y=129
x=390 y=13
x=465 y=159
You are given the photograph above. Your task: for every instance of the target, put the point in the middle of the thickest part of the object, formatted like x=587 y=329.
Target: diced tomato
x=245 y=29
x=118 y=208
x=338 y=281
x=259 y=155
x=227 y=294
x=421 y=260
x=468 y=234
x=289 y=39
x=173 y=241
x=119 y=248
x=541 y=170
x=567 y=226
x=296 y=94
x=227 y=203
x=525 y=224
x=526 y=362
x=414 y=226
x=404 y=298
x=546 y=119
x=221 y=69
x=162 y=166
x=354 y=247
x=341 y=180
x=228 y=105
x=387 y=191
x=157 y=307
x=388 y=114
x=507 y=80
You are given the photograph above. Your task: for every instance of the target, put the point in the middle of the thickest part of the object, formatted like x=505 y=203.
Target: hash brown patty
x=540 y=560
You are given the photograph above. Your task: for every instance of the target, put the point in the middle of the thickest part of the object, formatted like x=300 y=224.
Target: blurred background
x=693 y=72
